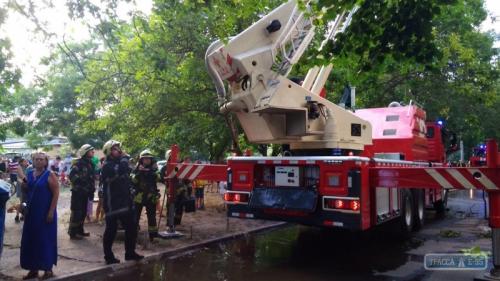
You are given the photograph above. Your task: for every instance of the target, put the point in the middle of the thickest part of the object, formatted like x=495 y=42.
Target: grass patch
x=448 y=233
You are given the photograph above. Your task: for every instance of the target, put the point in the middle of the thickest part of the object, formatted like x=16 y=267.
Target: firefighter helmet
x=167 y=154
x=108 y=145
x=84 y=149
x=146 y=153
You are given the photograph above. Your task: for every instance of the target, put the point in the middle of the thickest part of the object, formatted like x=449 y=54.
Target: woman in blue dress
x=39 y=240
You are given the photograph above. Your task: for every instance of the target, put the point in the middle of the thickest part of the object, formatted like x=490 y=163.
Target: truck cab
x=402 y=133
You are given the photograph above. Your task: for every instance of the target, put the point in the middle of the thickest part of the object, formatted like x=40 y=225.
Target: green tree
x=9 y=78
x=60 y=115
x=151 y=88
x=147 y=85
x=458 y=83
x=402 y=29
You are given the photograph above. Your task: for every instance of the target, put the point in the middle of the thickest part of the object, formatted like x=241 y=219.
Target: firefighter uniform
x=117 y=199
x=145 y=176
x=82 y=179
x=182 y=192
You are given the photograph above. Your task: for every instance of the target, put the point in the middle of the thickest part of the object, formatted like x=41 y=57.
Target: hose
x=219 y=84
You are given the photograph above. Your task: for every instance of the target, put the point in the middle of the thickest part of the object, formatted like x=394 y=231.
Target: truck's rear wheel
x=419 y=203
x=407 y=213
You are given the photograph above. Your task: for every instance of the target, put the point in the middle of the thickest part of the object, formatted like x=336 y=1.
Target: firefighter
x=82 y=179
x=182 y=193
x=118 y=204
x=145 y=176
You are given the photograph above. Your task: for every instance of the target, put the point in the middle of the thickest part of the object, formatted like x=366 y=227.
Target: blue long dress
x=39 y=240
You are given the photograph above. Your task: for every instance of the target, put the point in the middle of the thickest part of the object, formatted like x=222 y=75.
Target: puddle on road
x=293 y=253
x=297 y=253
x=467 y=203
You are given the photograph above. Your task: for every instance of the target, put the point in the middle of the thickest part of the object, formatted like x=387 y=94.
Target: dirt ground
x=82 y=255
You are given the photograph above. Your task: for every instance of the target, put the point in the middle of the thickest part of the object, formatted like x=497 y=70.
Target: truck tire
x=407 y=213
x=419 y=208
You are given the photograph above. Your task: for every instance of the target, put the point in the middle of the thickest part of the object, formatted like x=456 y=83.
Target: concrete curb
x=109 y=269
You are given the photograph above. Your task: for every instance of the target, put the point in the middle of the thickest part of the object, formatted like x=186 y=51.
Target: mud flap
x=296 y=199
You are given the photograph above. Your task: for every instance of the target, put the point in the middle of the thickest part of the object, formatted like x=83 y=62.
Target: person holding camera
x=118 y=205
x=39 y=238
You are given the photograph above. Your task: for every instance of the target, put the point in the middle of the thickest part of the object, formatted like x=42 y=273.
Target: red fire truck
x=347 y=168
x=478 y=157
x=339 y=190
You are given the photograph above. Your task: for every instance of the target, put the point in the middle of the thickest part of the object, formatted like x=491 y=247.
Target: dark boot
x=111 y=260
x=133 y=256
x=75 y=237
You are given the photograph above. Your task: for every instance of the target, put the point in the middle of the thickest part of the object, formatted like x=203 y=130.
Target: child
x=199 y=193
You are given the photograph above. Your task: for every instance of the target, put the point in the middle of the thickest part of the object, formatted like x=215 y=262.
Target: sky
x=29 y=49
x=493 y=7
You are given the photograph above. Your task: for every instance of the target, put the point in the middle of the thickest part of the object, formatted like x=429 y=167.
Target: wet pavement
x=305 y=253
x=83 y=259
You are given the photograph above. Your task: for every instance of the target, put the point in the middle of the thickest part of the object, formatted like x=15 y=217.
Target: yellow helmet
x=84 y=149
x=108 y=145
x=146 y=153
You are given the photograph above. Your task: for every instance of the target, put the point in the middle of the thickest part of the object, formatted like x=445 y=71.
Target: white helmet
x=146 y=153
x=106 y=148
x=84 y=149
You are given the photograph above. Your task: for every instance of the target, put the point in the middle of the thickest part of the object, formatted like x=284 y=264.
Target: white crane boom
x=270 y=107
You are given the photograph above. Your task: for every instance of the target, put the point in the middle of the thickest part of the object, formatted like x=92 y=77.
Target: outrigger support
x=170 y=191
x=494 y=211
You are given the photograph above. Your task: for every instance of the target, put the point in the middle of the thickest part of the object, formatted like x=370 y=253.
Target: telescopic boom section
x=269 y=106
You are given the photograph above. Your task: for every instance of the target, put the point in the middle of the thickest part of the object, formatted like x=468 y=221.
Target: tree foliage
x=144 y=82
x=458 y=83
x=402 y=29
x=151 y=89
x=9 y=78
x=60 y=115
